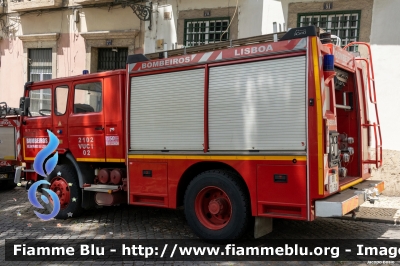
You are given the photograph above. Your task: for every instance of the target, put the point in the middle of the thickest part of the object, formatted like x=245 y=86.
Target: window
x=40 y=102
x=88 y=98
x=60 y=100
x=345 y=25
x=204 y=31
x=39 y=64
x=112 y=58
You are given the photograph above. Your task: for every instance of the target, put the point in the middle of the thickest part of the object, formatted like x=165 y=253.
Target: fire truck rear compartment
x=351 y=141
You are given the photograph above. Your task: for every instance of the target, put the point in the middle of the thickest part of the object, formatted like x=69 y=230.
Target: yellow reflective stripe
x=351 y=184
x=115 y=160
x=23 y=148
x=317 y=82
x=220 y=157
x=90 y=159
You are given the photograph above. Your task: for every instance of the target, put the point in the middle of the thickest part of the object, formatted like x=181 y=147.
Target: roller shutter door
x=7 y=142
x=258 y=106
x=167 y=111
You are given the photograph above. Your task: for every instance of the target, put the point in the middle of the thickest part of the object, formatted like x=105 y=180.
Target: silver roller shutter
x=7 y=142
x=258 y=106
x=167 y=111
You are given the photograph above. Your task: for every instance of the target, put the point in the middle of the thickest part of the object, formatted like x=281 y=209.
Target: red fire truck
x=267 y=130
x=10 y=156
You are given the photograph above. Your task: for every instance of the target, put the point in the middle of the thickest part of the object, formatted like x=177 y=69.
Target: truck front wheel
x=64 y=182
x=217 y=206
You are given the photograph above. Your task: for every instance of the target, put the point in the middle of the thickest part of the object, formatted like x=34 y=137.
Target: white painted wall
x=272 y=12
x=161 y=28
x=385 y=42
x=285 y=6
x=250 y=18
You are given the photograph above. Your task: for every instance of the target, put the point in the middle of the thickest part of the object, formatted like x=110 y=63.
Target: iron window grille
x=204 y=31
x=39 y=64
x=40 y=68
x=112 y=58
x=344 y=24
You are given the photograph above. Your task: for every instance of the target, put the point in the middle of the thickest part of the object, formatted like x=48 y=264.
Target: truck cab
x=86 y=115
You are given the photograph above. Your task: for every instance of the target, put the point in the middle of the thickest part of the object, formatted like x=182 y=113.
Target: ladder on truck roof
x=217 y=46
x=8 y=111
x=372 y=98
x=272 y=37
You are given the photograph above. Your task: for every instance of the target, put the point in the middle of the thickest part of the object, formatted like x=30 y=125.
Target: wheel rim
x=213 y=208
x=60 y=186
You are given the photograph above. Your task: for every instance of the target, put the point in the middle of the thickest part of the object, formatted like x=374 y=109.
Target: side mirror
x=24 y=104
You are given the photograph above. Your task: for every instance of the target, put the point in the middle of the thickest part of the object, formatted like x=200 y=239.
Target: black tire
x=72 y=206
x=11 y=184
x=7 y=185
x=233 y=190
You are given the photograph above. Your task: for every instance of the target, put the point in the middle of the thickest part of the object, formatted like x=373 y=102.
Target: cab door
x=86 y=121
x=60 y=114
x=38 y=121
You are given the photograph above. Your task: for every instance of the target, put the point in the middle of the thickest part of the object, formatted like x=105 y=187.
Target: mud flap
x=88 y=200
x=262 y=226
x=17 y=177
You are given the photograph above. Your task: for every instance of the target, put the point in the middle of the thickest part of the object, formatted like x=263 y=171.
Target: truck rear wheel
x=64 y=182
x=217 y=206
x=7 y=184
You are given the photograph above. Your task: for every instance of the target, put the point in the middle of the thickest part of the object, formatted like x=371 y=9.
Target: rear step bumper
x=346 y=201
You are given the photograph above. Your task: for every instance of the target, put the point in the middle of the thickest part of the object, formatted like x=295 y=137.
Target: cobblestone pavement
x=17 y=221
x=385 y=210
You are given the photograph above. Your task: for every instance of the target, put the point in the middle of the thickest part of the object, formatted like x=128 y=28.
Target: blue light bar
x=84 y=72
x=329 y=62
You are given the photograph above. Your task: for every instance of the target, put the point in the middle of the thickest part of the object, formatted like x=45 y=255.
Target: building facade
x=51 y=39
x=372 y=21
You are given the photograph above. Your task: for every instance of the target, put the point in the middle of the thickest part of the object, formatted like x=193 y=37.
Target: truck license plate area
x=347 y=200
x=3 y=176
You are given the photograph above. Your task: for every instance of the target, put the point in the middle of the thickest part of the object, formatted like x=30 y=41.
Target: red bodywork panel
x=257 y=174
